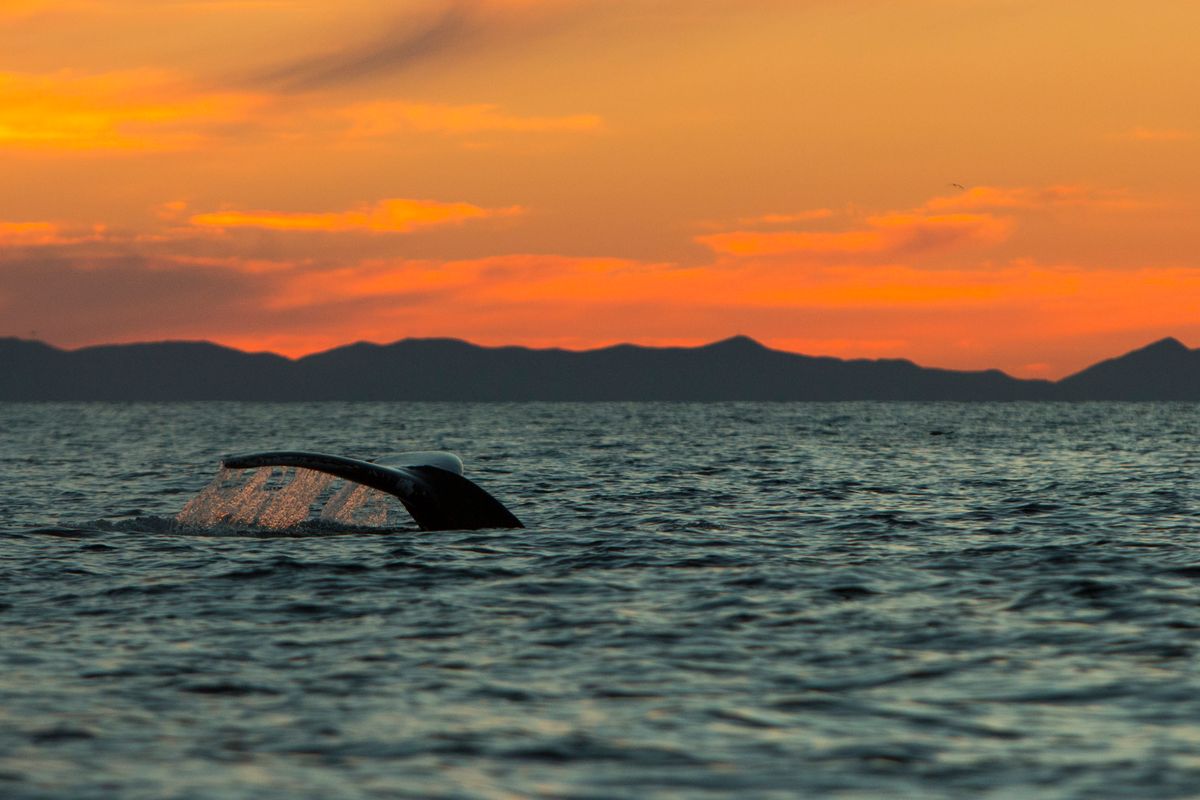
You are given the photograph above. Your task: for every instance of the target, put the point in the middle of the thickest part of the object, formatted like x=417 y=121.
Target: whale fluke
x=429 y=484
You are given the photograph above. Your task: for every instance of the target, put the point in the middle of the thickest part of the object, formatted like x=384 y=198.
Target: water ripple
x=751 y=600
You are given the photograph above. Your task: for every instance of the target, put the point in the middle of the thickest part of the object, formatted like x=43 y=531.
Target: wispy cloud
x=29 y=233
x=393 y=215
x=983 y=198
x=887 y=236
x=157 y=111
x=1143 y=134
x=456 y=28
x=40 y=234
x=128 y=110
x=788 y=218
x=19 y=9
x=400 y=46
x=389 y=117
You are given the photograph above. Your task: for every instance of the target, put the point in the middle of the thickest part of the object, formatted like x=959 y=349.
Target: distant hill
x=448 y=369
x=1164 y=370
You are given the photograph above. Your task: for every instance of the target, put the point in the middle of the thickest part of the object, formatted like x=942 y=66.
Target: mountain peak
x=739 y=342
x=1162 y=370
x=1168 y=345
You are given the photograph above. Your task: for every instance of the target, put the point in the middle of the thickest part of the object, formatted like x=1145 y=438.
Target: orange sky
x=967 y=183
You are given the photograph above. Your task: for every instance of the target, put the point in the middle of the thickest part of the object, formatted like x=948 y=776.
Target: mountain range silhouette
x=738 y=368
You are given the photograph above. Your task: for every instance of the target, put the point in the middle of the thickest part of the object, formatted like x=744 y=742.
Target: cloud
x=127 y=110
x=46 y=234
x=787 y=218
x=156 y=111
x=887 y=236
x=29 y=233
x=1141 y=134
x=390 y=117
x=984 y=198
x=394 y=215
x=19 y=9
x=559 y=300
x=538 y=283
x=171 y=210
x=469 y=27
x=114 y=288
x=399 y=47
x=864 y=289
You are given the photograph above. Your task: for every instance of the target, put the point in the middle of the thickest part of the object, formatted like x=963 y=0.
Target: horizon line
x=732 y=338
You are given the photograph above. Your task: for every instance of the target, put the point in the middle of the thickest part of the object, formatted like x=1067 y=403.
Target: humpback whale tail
x=429 y=484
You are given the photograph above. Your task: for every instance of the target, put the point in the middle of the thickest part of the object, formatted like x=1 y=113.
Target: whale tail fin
x=429 y=485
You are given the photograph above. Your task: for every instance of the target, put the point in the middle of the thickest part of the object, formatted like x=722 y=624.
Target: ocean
x=860 y=600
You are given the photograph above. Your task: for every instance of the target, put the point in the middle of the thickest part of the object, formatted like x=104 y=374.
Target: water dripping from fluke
x=284 y=498
x=279 y=490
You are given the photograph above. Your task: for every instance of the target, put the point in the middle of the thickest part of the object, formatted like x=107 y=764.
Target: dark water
x=732 y=600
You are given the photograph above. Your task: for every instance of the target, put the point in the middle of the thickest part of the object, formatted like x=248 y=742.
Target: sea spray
x=356 y=504
x=278 y=498
x=292 y=502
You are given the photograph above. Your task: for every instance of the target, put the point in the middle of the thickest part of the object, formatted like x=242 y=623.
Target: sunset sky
x=966 y=183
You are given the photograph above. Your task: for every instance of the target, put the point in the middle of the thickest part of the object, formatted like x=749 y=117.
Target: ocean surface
x=725 y=600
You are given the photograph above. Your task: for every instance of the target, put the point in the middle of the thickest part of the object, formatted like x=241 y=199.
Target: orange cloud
x=546 y=281
x=388 y=118
x=850 y=311
x=44 y=234
x=498 y=280
x=980 y=198
x=172 y=209
x=1141 y=134
x=29 y=233
x=890 y=235
x=17 y=9
x=395 y=215
x=132 y=110
x=787 y=219
x=966 y=317
x=864 y=290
